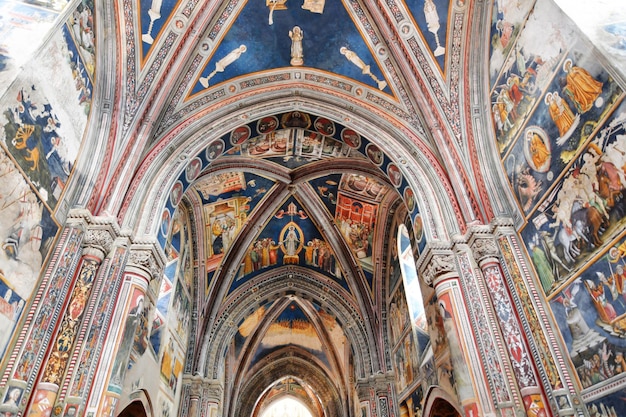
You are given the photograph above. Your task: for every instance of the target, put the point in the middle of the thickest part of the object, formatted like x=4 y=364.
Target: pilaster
x=59 y=364
x=43 y=316
x=376 y=393
x=202 y=397
x=452 y=348
x=538 y=325
x=487 y=255
x=140 y=279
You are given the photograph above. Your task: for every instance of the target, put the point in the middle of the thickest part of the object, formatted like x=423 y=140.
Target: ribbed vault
x=168 y=158
x=289 y=364
x=273 y=172
x=285 y=282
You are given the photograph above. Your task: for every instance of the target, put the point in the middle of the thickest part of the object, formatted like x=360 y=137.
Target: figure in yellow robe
x=538 y=150
x=560 y=113
x=581 y=87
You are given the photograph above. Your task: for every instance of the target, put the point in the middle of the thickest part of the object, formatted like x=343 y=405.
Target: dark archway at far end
x=134 y=409
x=438 y=403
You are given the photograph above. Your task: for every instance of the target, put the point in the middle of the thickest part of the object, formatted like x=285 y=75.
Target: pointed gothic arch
x=299 y=282
x=140 y=406
x=439 y=403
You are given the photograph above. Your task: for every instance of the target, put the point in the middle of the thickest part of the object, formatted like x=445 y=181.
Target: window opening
x=414 y=298
x=287 y=407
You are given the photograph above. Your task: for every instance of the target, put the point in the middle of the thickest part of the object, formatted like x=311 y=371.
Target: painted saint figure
x=505 y=29
x=580 y=86
x=539 y=152
x=355 y=59
x=297 y=55
x=132 y=324
x=154 y=13
x=544 y=269
x=606 y=312
x=221 y=65
x=561 y=115
x=13 y=397
x=291 y=241
x=501 y=117
x=432 y=21
x=291 y=245
x=365 y=69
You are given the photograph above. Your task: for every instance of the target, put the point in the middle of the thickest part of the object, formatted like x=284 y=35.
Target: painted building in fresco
x=400 y=209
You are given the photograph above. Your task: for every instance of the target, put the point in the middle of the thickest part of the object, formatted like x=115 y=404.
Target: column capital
x=378 y=382
x=205 y=387
x=148 y=259
x=98 y=241
x=100 y=232
x=436 y=263
x=484 y=247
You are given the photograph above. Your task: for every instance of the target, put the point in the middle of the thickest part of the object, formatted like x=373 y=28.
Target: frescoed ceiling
x=284 y=130
x=263 y=29
x=290 y=328
x=290 y=194
x=240 y=46
x=326 y=221
x=293 y=134
x=280 y=192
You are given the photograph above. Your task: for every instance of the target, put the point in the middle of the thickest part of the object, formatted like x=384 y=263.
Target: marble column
x=141 y=276
x=60 y=360
x=80 y=377
x=452 y=350
x=487 y=255
x=43 y=315
x=376 y=394
x=202 y=397
x=553 y=369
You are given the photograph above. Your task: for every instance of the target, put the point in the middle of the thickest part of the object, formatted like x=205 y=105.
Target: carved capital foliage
x=213 y=390
x=438 y=265
x=146 y=258
x=381 y=382
x=98 y=239
x=195 y=386
x=195 y=391
x=484 y=247
x=204 y=387
x=100 y=232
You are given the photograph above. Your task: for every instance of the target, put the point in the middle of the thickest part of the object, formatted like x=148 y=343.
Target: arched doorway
x=442 y=408
x=438 y=403
x=134 y=409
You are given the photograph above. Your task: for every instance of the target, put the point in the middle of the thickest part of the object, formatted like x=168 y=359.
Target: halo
x=567 y=62
x=547 y=99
